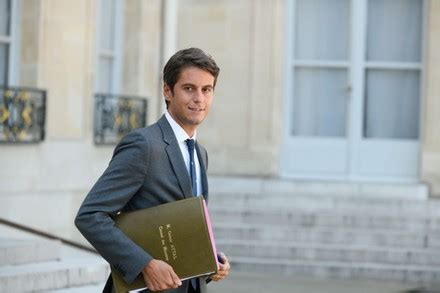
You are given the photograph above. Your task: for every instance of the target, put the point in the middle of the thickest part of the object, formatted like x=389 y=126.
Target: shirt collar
x=179 y=132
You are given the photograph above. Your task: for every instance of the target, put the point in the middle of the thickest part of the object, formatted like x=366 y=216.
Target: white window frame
x=13 y=41
x=115 y=55
x=357 y=66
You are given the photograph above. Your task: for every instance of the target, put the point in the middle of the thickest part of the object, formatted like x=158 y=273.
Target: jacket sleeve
x=120 y=181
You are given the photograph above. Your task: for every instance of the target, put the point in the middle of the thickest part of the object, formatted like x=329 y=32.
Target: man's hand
x=224 y=267
x=158 y=275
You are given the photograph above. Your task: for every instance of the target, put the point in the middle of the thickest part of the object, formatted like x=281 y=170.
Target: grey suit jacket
x=147 y=169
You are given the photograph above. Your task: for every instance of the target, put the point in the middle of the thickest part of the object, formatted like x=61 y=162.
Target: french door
x=353 y=89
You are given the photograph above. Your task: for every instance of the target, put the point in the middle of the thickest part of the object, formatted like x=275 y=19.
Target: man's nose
x=198 y=96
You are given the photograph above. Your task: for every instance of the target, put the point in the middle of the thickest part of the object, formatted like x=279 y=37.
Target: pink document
x=211 y=233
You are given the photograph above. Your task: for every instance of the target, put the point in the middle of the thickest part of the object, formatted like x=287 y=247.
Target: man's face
x=192 y=97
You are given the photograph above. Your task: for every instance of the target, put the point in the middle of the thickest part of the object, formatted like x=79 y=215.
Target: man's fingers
x=175 y=279
x=224 y=262
x=159 y=275
x=223 y=267
x=222 y=274
x=172 y=281
x=217 y=277
x=222 y=257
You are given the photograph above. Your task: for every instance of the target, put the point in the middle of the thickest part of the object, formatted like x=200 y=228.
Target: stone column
x=430 y=169
x=141 y=71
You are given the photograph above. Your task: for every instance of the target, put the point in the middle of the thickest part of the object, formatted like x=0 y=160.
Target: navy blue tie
x=192 y=166
x=192 y=174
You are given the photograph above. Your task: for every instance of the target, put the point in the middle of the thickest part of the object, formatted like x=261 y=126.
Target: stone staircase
x=29 y=263
x=332 y=231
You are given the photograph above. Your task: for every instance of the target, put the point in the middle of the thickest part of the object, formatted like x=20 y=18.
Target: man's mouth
x=196 y=109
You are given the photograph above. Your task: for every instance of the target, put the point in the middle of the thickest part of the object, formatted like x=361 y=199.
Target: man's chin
x=196 y=121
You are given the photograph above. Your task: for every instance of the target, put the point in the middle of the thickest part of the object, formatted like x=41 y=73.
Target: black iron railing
x=22 y=115
x=117 y=115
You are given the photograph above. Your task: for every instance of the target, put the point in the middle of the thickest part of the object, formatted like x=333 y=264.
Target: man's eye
x=189 y=89
x=207 y=90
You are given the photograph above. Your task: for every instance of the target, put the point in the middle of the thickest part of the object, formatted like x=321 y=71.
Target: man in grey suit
x=158 y=164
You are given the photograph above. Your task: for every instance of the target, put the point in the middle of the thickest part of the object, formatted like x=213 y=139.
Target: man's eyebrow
x=193 y=85
x=188 y=84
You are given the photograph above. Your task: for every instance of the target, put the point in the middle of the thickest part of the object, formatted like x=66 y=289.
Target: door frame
x=355 y=107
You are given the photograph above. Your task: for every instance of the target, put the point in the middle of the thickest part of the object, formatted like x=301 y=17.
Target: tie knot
x=190 y=144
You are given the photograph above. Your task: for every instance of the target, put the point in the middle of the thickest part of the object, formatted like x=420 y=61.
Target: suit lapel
x=175 y=157
x=202 y=161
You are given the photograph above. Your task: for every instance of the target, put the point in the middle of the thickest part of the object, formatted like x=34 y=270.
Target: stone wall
x=42 y=185
x=242 y=131
x=430 y=169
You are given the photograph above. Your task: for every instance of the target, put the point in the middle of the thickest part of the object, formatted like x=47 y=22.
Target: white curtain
x=322 y=29
x=392 y=96
x=320 y=106
x=3 y=63
x=5 y=12
x=392 y=108
x=394 y=30
x=107 y=24
x=320 y=99
x=105 y=74
x=106 y=32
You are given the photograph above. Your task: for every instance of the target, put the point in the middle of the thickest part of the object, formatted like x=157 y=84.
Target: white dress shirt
x=181 y=136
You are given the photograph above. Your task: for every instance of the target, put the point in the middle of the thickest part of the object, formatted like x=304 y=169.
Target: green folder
x=178 y=233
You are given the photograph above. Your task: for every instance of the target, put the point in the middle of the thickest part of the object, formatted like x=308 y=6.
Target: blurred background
x=323 y=139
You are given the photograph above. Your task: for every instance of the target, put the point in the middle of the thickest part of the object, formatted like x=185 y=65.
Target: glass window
x=5 y=20
x=105 y=74
x=392 y=95
x=322 y=29
x=4 y=58
x=107 y=25
x=5 y=40
x=109 y=55
x=321 y=102
x=392 y=104
x=394 y=30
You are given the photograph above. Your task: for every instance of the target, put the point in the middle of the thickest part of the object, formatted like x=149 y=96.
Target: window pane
x=320 y=102
x=394 y=30
x=5 y=12
x=107 y=24
x=392 y=104
x=4 y=48
x=322 y=29
x=105 y=75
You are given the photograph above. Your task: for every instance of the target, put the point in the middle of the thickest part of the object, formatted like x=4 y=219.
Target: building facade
x=312 y=90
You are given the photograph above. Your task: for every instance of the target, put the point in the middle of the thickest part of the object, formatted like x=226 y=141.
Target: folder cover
x=178 y=233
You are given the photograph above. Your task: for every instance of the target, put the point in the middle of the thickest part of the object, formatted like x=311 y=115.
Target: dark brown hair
x=191 y=57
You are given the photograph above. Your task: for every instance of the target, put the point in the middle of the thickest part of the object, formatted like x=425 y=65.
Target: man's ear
x=167 y=93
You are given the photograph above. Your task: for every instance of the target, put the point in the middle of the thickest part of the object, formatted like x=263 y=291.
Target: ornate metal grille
x=116 y=115
x=22 y=115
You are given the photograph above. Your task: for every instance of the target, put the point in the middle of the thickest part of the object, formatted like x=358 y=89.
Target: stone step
x=330 y=230
x=81 y=289
x=270 y=186
x=52 y=275
x=22 y=251
x=429 y=207
x=342 y=219
x=338 y=253
x=376 y=237
x=67 y=267
x=327 y=269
